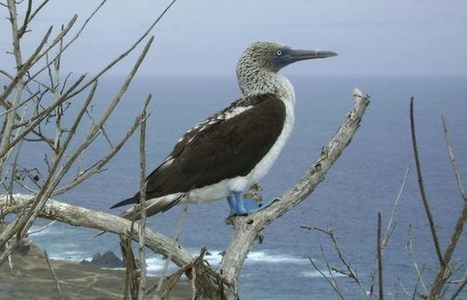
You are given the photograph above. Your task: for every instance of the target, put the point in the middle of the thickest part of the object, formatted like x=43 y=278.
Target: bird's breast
x=263 y=167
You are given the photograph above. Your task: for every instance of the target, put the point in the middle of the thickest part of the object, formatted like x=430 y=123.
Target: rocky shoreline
x=31 y=278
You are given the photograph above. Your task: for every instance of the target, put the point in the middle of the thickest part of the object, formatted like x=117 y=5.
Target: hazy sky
x=207 y=36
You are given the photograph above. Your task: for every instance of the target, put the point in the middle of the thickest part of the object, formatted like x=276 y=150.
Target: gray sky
x=207 y=36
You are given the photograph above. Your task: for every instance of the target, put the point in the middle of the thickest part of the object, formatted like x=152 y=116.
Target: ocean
x=364 y=181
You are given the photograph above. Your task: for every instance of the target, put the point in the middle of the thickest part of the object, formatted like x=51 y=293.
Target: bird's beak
x=286 y=56
x=298 y=55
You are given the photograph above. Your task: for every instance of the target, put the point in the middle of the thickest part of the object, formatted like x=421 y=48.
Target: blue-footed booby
x=222 y=156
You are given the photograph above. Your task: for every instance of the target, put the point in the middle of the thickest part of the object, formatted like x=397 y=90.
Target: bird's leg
x=231 y=201
x=237 y=207
x=240 y=209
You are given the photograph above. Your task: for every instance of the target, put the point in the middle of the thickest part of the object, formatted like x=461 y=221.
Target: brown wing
x=223 y=148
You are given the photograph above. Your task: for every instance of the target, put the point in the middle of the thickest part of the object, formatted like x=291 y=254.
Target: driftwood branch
x=247 y=229
x=79 y=216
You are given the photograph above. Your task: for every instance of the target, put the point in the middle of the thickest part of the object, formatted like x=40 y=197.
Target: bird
x=222 y=156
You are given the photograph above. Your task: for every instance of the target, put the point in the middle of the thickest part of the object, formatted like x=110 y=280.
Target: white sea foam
x=267 y=257
x=154 y=265
x=272 y=258
x=316 y=274
x=74 y=256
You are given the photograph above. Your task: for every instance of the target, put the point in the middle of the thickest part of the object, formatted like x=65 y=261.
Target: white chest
x=287 y=95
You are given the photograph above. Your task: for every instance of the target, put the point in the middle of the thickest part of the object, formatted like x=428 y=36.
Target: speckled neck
x=254 y=82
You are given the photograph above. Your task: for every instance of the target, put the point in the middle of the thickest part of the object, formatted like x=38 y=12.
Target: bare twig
x=419 y=278
x=128 y=51
x=6 y=252
x=36 y=56
x=349 y=270
x=331 y=281
x=42 y=228
x=393 y=219
x=421 y=186
x=54 y=178
x=409 y=247
x=452 y=159
x=459 y=289
x=132 y=276
x=206 y=283
x=178 y=231
x=142 y=189
x=23 y=28
x=328 y=267
x=97 y=166
x=403 y=288
x=59 y=289
x=175 y=277
x=37 y=119
x=37 y=10
x=95 y=129
x=69 y=43
x=102 y=129
x=380 y=260
x=444 y=272
x=25 y=220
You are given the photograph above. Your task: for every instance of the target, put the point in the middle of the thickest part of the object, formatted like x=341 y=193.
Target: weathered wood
x=79 y=216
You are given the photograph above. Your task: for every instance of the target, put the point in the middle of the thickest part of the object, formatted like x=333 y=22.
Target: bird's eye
x=278 y=52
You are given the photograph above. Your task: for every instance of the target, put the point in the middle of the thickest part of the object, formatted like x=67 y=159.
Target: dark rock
x=22 y=247
x=106 y=260
x=27 y=248
x=207 y=253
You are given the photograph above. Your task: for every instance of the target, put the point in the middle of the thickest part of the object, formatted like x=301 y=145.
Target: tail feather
x=134 y=199
x=153 y=206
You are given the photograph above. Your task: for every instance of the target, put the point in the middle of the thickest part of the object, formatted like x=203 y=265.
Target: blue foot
x=237 y=206
x=240 y=209
x=231 y=205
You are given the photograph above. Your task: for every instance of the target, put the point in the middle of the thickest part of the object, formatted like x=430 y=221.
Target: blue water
x=363 y=182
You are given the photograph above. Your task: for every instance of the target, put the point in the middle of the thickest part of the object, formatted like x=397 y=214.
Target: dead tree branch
x=380 y=260
x=452 y=159
x=421 y=186
x=349 y=272
x=78 y=216
x=132 y=276
x=444 y=271
x=52 y=270
x=142 y=190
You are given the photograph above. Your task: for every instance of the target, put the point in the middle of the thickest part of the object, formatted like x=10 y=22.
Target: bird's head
x=262 y=58
x=274 y=56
